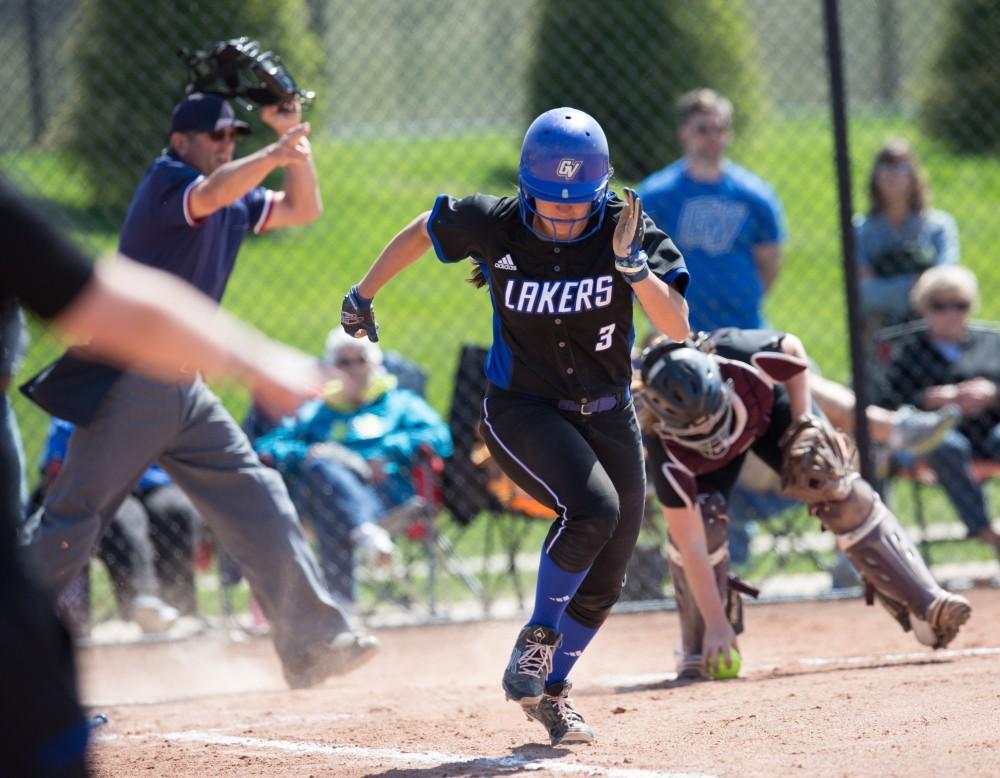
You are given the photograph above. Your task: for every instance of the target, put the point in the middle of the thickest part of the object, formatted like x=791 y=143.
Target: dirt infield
x=828 y=689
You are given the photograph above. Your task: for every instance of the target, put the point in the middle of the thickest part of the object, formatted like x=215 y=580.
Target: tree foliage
x=961 y=105
x=129 y=76
x=603 y=58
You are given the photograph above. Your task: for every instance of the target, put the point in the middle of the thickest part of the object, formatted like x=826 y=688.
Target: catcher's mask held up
x=683 y=387
x=238 y=69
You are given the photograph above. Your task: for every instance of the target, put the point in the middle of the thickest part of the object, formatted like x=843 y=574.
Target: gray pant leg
x=248 y=509
x=127 y=552
x=103 y=462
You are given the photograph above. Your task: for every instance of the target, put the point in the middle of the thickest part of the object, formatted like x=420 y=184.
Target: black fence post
x=838 y=106
x=35 y=70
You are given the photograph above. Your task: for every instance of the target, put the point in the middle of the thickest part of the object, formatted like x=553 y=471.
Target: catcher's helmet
x=564 y=158
x=685 y=391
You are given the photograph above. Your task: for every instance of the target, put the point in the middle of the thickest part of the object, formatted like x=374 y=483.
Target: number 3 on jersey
x=604 y=341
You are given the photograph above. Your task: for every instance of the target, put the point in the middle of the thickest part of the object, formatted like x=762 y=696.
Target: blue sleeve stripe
x=430 y=220
x=499 y=359
x=674 y=274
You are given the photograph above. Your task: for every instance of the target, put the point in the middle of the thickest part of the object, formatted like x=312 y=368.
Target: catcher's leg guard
x=713 y=511
x=881 y=551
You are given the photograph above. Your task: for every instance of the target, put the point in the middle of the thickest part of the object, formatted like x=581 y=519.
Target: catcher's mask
x=564 y=158
x=685 y=391
x=238 y=69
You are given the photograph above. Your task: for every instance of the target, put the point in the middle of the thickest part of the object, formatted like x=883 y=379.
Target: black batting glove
x=357 y=316
x=630 y=259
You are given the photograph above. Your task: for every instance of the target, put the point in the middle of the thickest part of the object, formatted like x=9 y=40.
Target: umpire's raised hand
x=357 y=316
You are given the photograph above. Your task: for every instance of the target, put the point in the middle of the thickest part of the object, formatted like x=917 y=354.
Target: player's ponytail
x=477 y=279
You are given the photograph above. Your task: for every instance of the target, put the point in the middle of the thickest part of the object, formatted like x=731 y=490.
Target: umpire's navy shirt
x=160 y=231
x=562 y=313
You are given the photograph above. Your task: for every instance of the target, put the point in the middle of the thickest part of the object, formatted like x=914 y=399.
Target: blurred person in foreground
x=900 y=237
x=950 y=363
x=727 y=222
x=189 y=216
x=135 y=316
x=349 y=456
x=701 y=414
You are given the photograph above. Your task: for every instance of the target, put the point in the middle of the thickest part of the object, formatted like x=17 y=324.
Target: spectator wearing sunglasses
x=950 y=362
x=900 y=237
x=727 y=222
x=348 y=456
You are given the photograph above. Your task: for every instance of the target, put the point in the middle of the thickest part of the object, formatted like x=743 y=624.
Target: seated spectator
x=949 y=363
x=348 y=456
x=147 y=547
x=900 y=237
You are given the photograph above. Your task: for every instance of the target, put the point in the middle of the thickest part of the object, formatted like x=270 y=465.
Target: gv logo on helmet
x=568 y=168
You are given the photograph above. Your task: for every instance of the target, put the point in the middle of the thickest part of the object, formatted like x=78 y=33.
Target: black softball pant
x=589 y=470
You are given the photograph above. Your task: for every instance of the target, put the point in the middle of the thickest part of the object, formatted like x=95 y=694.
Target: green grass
x=290 y=283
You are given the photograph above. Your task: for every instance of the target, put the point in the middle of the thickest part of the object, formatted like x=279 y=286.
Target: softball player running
x=563 y=261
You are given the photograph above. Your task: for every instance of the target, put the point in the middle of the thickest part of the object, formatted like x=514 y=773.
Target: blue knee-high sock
x=554 y=590
x=575 y=638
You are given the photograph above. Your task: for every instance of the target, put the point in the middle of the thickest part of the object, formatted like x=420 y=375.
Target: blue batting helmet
x=564 y=158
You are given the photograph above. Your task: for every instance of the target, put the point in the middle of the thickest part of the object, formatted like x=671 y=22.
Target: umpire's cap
x=205 y=112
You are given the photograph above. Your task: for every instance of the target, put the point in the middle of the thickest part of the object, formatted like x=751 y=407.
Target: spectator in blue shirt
x=900 y=237
x=349 y=456
x=727 y=222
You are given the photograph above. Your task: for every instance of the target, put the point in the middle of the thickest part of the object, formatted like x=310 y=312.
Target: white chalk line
x=397 y=756
x=913 y=656
x=216 y=736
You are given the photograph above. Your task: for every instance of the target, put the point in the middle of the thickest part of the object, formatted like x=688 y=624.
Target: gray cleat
x=691 y=667
x=919 y=432
x=530 y=663
x=946 y=616
x=346 y=652
x=556 y=713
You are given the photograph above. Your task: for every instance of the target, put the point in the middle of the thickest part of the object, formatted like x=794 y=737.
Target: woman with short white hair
x=348 y=456
x=948 y=362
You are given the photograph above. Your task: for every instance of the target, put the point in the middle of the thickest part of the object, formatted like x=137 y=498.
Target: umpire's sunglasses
x=221 y=135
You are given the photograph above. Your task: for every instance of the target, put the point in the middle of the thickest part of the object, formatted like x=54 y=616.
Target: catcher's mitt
x=815 y=461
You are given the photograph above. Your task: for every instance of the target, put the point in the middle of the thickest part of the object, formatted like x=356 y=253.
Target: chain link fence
x=433 y=96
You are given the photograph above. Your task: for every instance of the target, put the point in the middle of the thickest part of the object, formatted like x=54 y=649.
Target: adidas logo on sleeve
x=505 y=263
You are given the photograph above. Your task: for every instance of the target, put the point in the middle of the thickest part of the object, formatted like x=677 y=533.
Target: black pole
x=838 y=106
x=34 y=70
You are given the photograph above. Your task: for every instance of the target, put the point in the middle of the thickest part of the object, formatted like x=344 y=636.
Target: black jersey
x=562 y=313
x=38 y=265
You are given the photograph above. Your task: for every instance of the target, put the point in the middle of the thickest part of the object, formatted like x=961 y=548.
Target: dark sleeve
x=665 y=259
x=459 y=228
x=675 y=486
x=40 y=267
x=903 y=382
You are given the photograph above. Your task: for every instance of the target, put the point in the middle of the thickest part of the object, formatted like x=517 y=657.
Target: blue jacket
x=58 y=441
x=390 y=426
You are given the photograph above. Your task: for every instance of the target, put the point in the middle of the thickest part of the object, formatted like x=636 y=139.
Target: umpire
x=188 y=217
